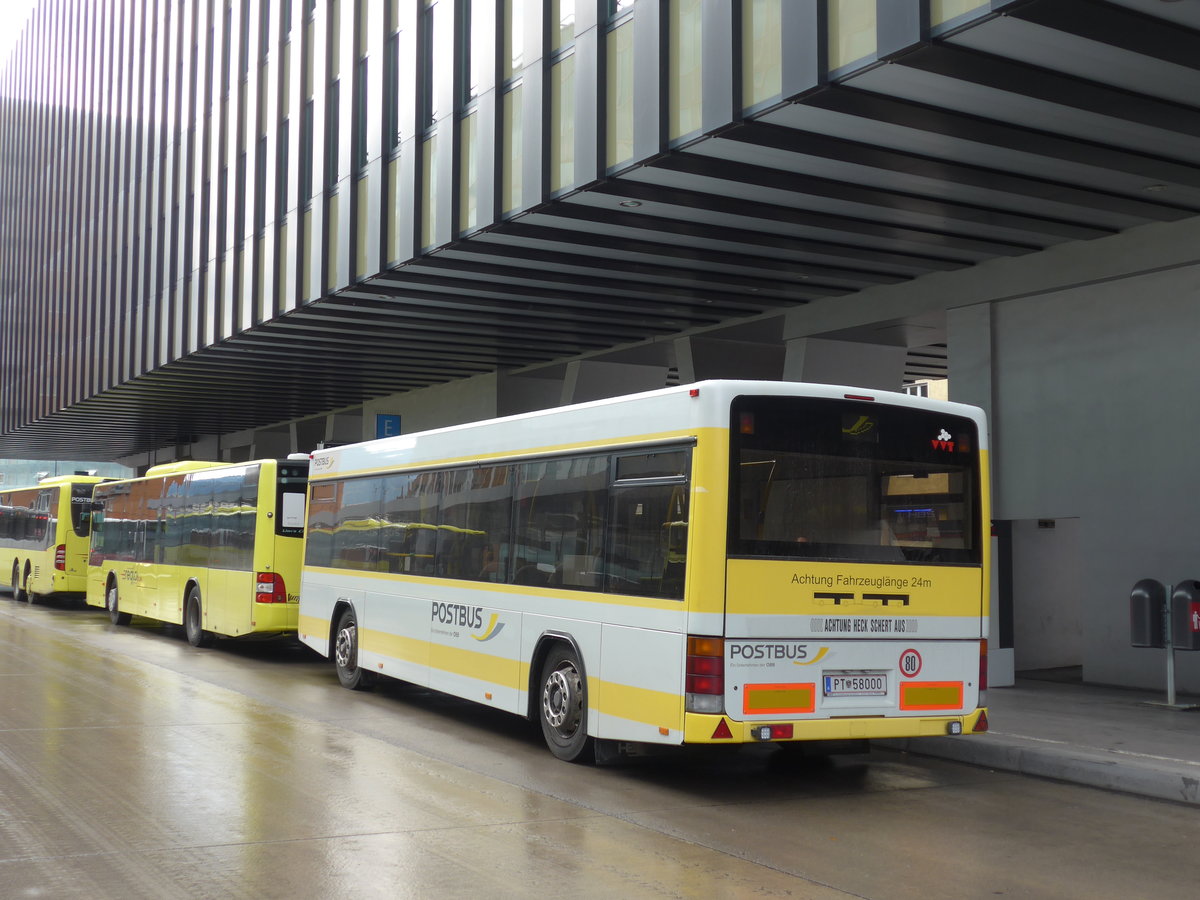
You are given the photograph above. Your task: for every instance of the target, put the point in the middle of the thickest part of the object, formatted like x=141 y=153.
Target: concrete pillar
x=345 y=427
x=850 y=363
x=699 y=358
x=526 y=393
x=591 y=380
x=969 y=346
x=272 y=443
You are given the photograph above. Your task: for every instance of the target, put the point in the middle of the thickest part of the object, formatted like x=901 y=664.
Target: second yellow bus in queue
x=211 y=546
x=44 y=537
x=723 y=563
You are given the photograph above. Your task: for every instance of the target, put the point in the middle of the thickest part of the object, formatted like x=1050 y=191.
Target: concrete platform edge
x=1172 y=780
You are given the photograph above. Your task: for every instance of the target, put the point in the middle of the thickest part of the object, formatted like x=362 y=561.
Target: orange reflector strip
x=664 y=730
x=779 y=699
x=722 y=731
x=931 y=695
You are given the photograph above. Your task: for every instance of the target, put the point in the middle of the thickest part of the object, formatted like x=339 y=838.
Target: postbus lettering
x=768 y=651
x=457 y=614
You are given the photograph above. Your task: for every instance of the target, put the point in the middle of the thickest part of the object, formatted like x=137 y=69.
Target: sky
x=13 y=15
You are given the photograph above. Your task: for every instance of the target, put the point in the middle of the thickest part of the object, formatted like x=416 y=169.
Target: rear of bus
x=281 y=535
x=855 y=580
x=214 y=547
x=46 y=531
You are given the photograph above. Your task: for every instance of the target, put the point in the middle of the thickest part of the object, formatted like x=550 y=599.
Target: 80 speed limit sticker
x=910 y=663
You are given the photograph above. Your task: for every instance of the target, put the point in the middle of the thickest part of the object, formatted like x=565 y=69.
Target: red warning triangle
x=723 y=731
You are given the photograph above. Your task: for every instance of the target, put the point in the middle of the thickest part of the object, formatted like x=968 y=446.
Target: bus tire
x=345 y=654
x=112 y=603
x=562 y=706
x=193 y=621
x=18 y=584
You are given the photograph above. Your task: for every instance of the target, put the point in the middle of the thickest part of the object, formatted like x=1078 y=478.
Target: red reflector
x=694 y=392
x=859 y=397
x=722 y=732
x=269 y=588
x=705 y=684
x=983 y=665
x=705 y=665
x=981 y=724
x=60 y=557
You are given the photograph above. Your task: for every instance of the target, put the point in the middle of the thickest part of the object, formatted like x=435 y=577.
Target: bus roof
x=59 y=479
x=651 y=417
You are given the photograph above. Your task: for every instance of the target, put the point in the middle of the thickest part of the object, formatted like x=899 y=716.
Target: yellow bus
x=213 y=547
x=44 y=537
x=722 y=563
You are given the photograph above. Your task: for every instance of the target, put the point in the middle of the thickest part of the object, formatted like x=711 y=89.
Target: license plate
x=851 y=684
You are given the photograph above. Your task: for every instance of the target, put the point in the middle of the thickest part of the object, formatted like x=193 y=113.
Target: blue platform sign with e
x=386 y=425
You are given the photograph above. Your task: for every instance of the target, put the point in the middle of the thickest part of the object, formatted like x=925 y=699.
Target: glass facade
x=287 y=150
x=762 y=51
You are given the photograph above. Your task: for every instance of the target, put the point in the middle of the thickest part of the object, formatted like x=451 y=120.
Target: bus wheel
x=345 y=655
x=18 y=589
x=193 y=621
x=563 y=709
x=112 y=602
x=30 y=596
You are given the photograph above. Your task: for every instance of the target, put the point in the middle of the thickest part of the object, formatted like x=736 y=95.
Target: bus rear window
x=81 y=509
x=292 y=485
x=849 y=480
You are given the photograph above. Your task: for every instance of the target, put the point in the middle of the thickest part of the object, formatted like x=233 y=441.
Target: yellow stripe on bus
x=643 y=705
x=636 y=704
x=758 y=587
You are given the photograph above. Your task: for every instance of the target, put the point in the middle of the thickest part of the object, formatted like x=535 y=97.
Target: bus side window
x=559 y=522
x=647 y=540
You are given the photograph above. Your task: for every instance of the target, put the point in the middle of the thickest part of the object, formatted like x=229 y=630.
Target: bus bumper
x=709 y=729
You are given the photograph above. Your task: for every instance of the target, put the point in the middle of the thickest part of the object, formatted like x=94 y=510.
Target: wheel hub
x=560 y=700
x=344 y=649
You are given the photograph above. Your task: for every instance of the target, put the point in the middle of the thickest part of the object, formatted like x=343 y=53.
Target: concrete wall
x=467 y=400
x=1095 y=417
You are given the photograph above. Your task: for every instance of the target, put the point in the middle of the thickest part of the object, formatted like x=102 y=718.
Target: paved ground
x=133 y=765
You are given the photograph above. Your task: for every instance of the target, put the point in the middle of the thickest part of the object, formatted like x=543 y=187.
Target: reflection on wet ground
x=133 y=765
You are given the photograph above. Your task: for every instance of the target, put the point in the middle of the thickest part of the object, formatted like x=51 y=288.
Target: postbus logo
x=468 y=617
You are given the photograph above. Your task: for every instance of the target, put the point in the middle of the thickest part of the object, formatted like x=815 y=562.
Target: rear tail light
x=772 y=732
x=60 y=557
x=983 y=675
x=270 y=588
x=705 y=675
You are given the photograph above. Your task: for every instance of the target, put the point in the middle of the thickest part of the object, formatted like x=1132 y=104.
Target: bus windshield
x=832 y=479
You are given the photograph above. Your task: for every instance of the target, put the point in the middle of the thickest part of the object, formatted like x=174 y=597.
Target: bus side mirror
x=1185 y=612
x=1147 y=602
